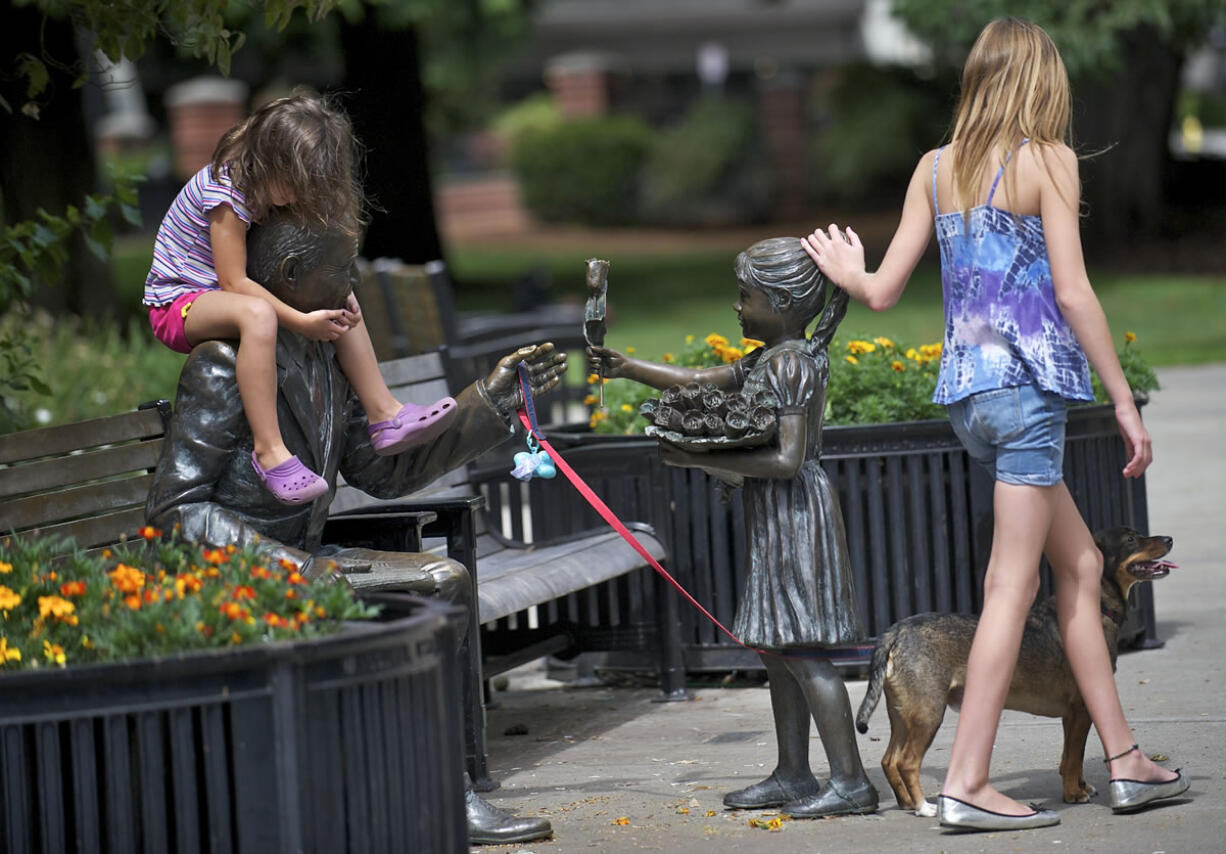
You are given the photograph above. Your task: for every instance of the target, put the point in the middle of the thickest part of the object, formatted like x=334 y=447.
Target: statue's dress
x=800 y=590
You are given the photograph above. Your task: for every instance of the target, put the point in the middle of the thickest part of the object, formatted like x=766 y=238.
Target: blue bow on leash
x=533 y=462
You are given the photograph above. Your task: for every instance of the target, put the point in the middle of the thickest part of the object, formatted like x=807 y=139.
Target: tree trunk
x=387 y=102
x=49 y=161
x=1129 y=115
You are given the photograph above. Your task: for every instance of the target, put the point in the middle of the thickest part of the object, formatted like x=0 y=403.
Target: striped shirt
x=182 y=251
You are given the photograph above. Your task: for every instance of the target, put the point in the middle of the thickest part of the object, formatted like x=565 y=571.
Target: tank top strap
x=935 y=161
x=1001 y=171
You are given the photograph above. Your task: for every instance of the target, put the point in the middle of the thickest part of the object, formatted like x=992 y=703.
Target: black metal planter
x=343 y=745
x=917 y=511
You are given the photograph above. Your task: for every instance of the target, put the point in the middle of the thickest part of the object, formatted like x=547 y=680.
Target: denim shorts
x=1016 y=433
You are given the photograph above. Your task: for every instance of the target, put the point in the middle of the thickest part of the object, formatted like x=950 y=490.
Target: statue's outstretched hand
x=546 y=367
x=606 y=361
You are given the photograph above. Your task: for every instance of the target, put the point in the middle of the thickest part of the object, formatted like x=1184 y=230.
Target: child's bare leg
x=1078 y=565
x=356 y=355
x=1023 y=517
x=218 y=314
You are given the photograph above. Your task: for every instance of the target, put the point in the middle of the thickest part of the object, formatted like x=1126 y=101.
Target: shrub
x=584 y=171
x=704 y=170
x=872 y=381
x=60 y=606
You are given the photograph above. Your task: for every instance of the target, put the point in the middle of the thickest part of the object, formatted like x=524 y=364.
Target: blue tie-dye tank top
x=1002 y=325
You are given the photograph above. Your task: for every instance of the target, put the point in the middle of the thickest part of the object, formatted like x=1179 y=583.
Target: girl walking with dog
x=799 y=594
x=1021 y=320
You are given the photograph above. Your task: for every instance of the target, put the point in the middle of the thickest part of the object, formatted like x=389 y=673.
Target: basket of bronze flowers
x=701 y=417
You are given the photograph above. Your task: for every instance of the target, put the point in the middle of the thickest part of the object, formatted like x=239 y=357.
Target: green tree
x=1125 y=59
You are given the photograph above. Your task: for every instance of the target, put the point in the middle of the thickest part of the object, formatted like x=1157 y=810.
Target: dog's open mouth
x=1147 y=570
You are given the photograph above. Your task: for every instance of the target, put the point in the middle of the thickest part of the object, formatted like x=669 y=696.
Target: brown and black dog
x=920 y=663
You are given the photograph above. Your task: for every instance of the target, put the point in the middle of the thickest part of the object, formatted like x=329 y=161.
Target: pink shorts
x=167 y=321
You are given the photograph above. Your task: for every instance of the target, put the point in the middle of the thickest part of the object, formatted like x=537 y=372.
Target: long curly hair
x=303 y=145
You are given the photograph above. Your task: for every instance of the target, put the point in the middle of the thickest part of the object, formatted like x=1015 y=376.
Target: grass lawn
x=658 y=295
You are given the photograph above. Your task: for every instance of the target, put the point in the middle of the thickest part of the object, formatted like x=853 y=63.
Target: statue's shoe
x=960 y=815
x=290 y=482
x=1129 y=795
x=837 y=798
x=489 y=825
x=412 y=425
x=771 y=792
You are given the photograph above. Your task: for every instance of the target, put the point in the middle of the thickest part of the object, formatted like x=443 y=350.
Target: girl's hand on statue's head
x=838 y=254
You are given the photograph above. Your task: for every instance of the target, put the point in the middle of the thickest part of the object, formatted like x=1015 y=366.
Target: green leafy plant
x=153 y=596
x=873 y=380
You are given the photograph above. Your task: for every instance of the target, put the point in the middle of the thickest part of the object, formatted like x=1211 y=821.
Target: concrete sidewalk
x=590 y=758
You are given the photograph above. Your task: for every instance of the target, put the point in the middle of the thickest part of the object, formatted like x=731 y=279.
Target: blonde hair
x=301 y=144
x=1014 y=87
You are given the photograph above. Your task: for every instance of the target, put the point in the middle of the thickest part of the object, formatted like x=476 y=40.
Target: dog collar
x=1116 y=616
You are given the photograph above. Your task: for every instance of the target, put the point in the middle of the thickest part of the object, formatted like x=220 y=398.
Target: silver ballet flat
x=963 y=816
x=1129 y=795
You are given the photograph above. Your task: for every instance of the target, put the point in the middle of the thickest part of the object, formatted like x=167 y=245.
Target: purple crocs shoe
x=290 y=482
x=413 y=425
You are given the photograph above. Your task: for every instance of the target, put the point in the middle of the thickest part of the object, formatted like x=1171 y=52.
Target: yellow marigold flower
x=54 y=653
x=751 y=344
x=689 y=339
x=1129 y=337
x=591 y=400
x=622 y=821
x=932 y=351
x=859 y=348
x=731 y=354
x=86 y=642
x=668 y=357
x=127 y=579
x=851 y=360
x=592 y=379
x=236 y=638
x=882 y=341
x=7 y=654
x=54 y=606
x=912 y=354
x=715 y=340
x=5 y=568
x=630 y=351
x=8 y=599
x=625 y=407
x=897 y=365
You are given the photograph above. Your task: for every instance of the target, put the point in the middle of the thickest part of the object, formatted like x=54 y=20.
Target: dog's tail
x=876 y=680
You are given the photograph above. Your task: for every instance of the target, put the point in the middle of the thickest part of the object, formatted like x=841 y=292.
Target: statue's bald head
x=307 y=265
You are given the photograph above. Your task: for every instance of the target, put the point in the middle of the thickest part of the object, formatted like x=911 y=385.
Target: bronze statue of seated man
x=205 y=484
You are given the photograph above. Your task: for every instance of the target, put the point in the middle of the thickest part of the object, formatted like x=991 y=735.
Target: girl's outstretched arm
x=656 y=374
x=842 y=260
x=1059 y=195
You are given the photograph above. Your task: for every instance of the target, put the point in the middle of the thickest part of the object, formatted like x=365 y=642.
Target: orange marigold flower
x=149 y=532
x=214 y=556
x=276 y=621
x=242 y=592
x=5 y=568
x=287 y=564
x=236 y=638
x=668 y=357
x=72 y=588
x=54 y=606
x=127 y=579
x=233 y=610
x=8 y=599
x=152 y=595
x=54 y=653
x=132 y=600
x=1129 y=337
x=715 y=341
x=897 y=365
x=296 y=578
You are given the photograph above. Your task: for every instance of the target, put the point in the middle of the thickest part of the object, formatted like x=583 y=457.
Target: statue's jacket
x=206 y=489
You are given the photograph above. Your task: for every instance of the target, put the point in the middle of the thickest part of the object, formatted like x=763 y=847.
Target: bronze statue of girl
x=799 y=596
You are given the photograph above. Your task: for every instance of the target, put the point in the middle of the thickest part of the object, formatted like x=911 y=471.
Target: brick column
x=781 y=123
x=583 y=83
x=199 y=112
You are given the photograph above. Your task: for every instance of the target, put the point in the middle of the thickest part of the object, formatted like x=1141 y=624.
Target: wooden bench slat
x=47 y=475
x=97 y=530
x=95 y=498
x=64 y=438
